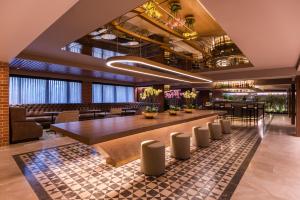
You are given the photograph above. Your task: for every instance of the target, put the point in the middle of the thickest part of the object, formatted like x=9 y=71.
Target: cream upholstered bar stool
x=180 y=145
x=200 y=136
x=215 y=130
x=226 y=126
x=152 y=158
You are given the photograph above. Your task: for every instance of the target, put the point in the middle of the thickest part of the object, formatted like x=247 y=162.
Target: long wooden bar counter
x=118 y=139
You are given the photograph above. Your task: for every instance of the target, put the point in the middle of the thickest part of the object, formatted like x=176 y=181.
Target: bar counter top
x=100 y=130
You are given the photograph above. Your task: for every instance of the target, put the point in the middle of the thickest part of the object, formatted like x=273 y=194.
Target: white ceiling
x=23 y=21
x=267 y=31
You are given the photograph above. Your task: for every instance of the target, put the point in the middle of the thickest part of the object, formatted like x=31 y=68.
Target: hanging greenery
x=175 y=7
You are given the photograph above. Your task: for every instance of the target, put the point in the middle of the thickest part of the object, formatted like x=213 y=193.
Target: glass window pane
x=14 y=90
x=75 y=92
x=130 y=94
x=75 y=47
x=97 y=93
x=121 y=94
x=27 y=90
x=58 y=91
x=108 y=93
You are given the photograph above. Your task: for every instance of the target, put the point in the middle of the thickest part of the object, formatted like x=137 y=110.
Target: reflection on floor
x=76 y=171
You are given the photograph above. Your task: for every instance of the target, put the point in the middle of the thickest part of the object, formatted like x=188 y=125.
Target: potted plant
x=173 y=110
x=173 y=97
x=150 y=95
x=189 y=97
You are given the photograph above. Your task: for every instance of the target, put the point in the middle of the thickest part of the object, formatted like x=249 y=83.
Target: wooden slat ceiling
x=37 y=66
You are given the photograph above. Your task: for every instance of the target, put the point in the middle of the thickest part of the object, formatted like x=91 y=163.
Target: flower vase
x=150 y=115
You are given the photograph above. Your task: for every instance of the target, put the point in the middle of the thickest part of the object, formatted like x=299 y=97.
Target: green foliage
x=175 y=108
x=275 y=103
x=151 y=109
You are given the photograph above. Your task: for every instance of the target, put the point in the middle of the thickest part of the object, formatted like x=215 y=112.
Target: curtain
x=121 y=95
x=112 y=94
x=24 y=90
x=97 y=93
x=130 y=94
x=74 y=92
x=27 y=90
x=58 y=91
x=108 y=93
x=97 y=52
x=14 y=90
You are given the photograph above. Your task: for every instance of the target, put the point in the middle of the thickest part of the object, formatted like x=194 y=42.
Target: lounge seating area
x=45 y=114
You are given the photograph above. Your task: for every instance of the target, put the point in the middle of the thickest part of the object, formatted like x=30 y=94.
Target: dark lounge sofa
x=37 y=112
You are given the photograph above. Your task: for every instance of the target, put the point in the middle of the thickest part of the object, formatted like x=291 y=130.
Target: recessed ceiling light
x=98 y=37
x=131 y=43
x=94 y=33
x=102 y=30
x=108 y=36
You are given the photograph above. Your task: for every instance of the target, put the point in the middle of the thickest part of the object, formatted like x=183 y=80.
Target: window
x=121 y=94
x=103 y=93
x=97 y=52
x=108 y=93
x=74 y=47
x=74 y=92
x=97 y=93
x=104 y=53
x=24 y=90
x=58 y=91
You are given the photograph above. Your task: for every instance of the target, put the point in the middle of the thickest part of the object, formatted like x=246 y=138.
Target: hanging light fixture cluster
x=151 y=10
x=189 y=22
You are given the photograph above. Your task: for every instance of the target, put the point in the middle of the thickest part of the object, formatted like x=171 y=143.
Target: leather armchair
x=22 y=129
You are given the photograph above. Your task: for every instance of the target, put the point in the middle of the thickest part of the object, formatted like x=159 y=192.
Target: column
x=4 y=105
x=293 y=103
x=86 y=92
x=297 y=106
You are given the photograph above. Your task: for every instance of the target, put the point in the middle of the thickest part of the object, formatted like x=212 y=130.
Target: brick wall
x=86 y=92
x=4 y=125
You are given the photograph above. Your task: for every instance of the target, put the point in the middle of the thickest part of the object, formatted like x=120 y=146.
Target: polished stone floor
x=272 y=174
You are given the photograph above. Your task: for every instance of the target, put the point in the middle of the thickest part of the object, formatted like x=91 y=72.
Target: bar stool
x=200 y=136
x=230 y=109
x=260 y=106
x=215 y=130
x=251 y=112
x=225 y=126
x=180 y=145
x=152 y=158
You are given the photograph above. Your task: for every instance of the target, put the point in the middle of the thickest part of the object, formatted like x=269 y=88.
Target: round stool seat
x=180 y=145
x=226 y=126
x=215 y=131
x=152 y=158
x=200 y=137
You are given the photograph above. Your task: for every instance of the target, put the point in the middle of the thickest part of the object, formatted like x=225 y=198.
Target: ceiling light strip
x=110 y=64
x=131 y=59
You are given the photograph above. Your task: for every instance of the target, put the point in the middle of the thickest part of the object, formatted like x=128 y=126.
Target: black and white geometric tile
x=77 y=171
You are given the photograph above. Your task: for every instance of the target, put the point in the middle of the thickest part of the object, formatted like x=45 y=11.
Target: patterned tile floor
x=77 y=171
